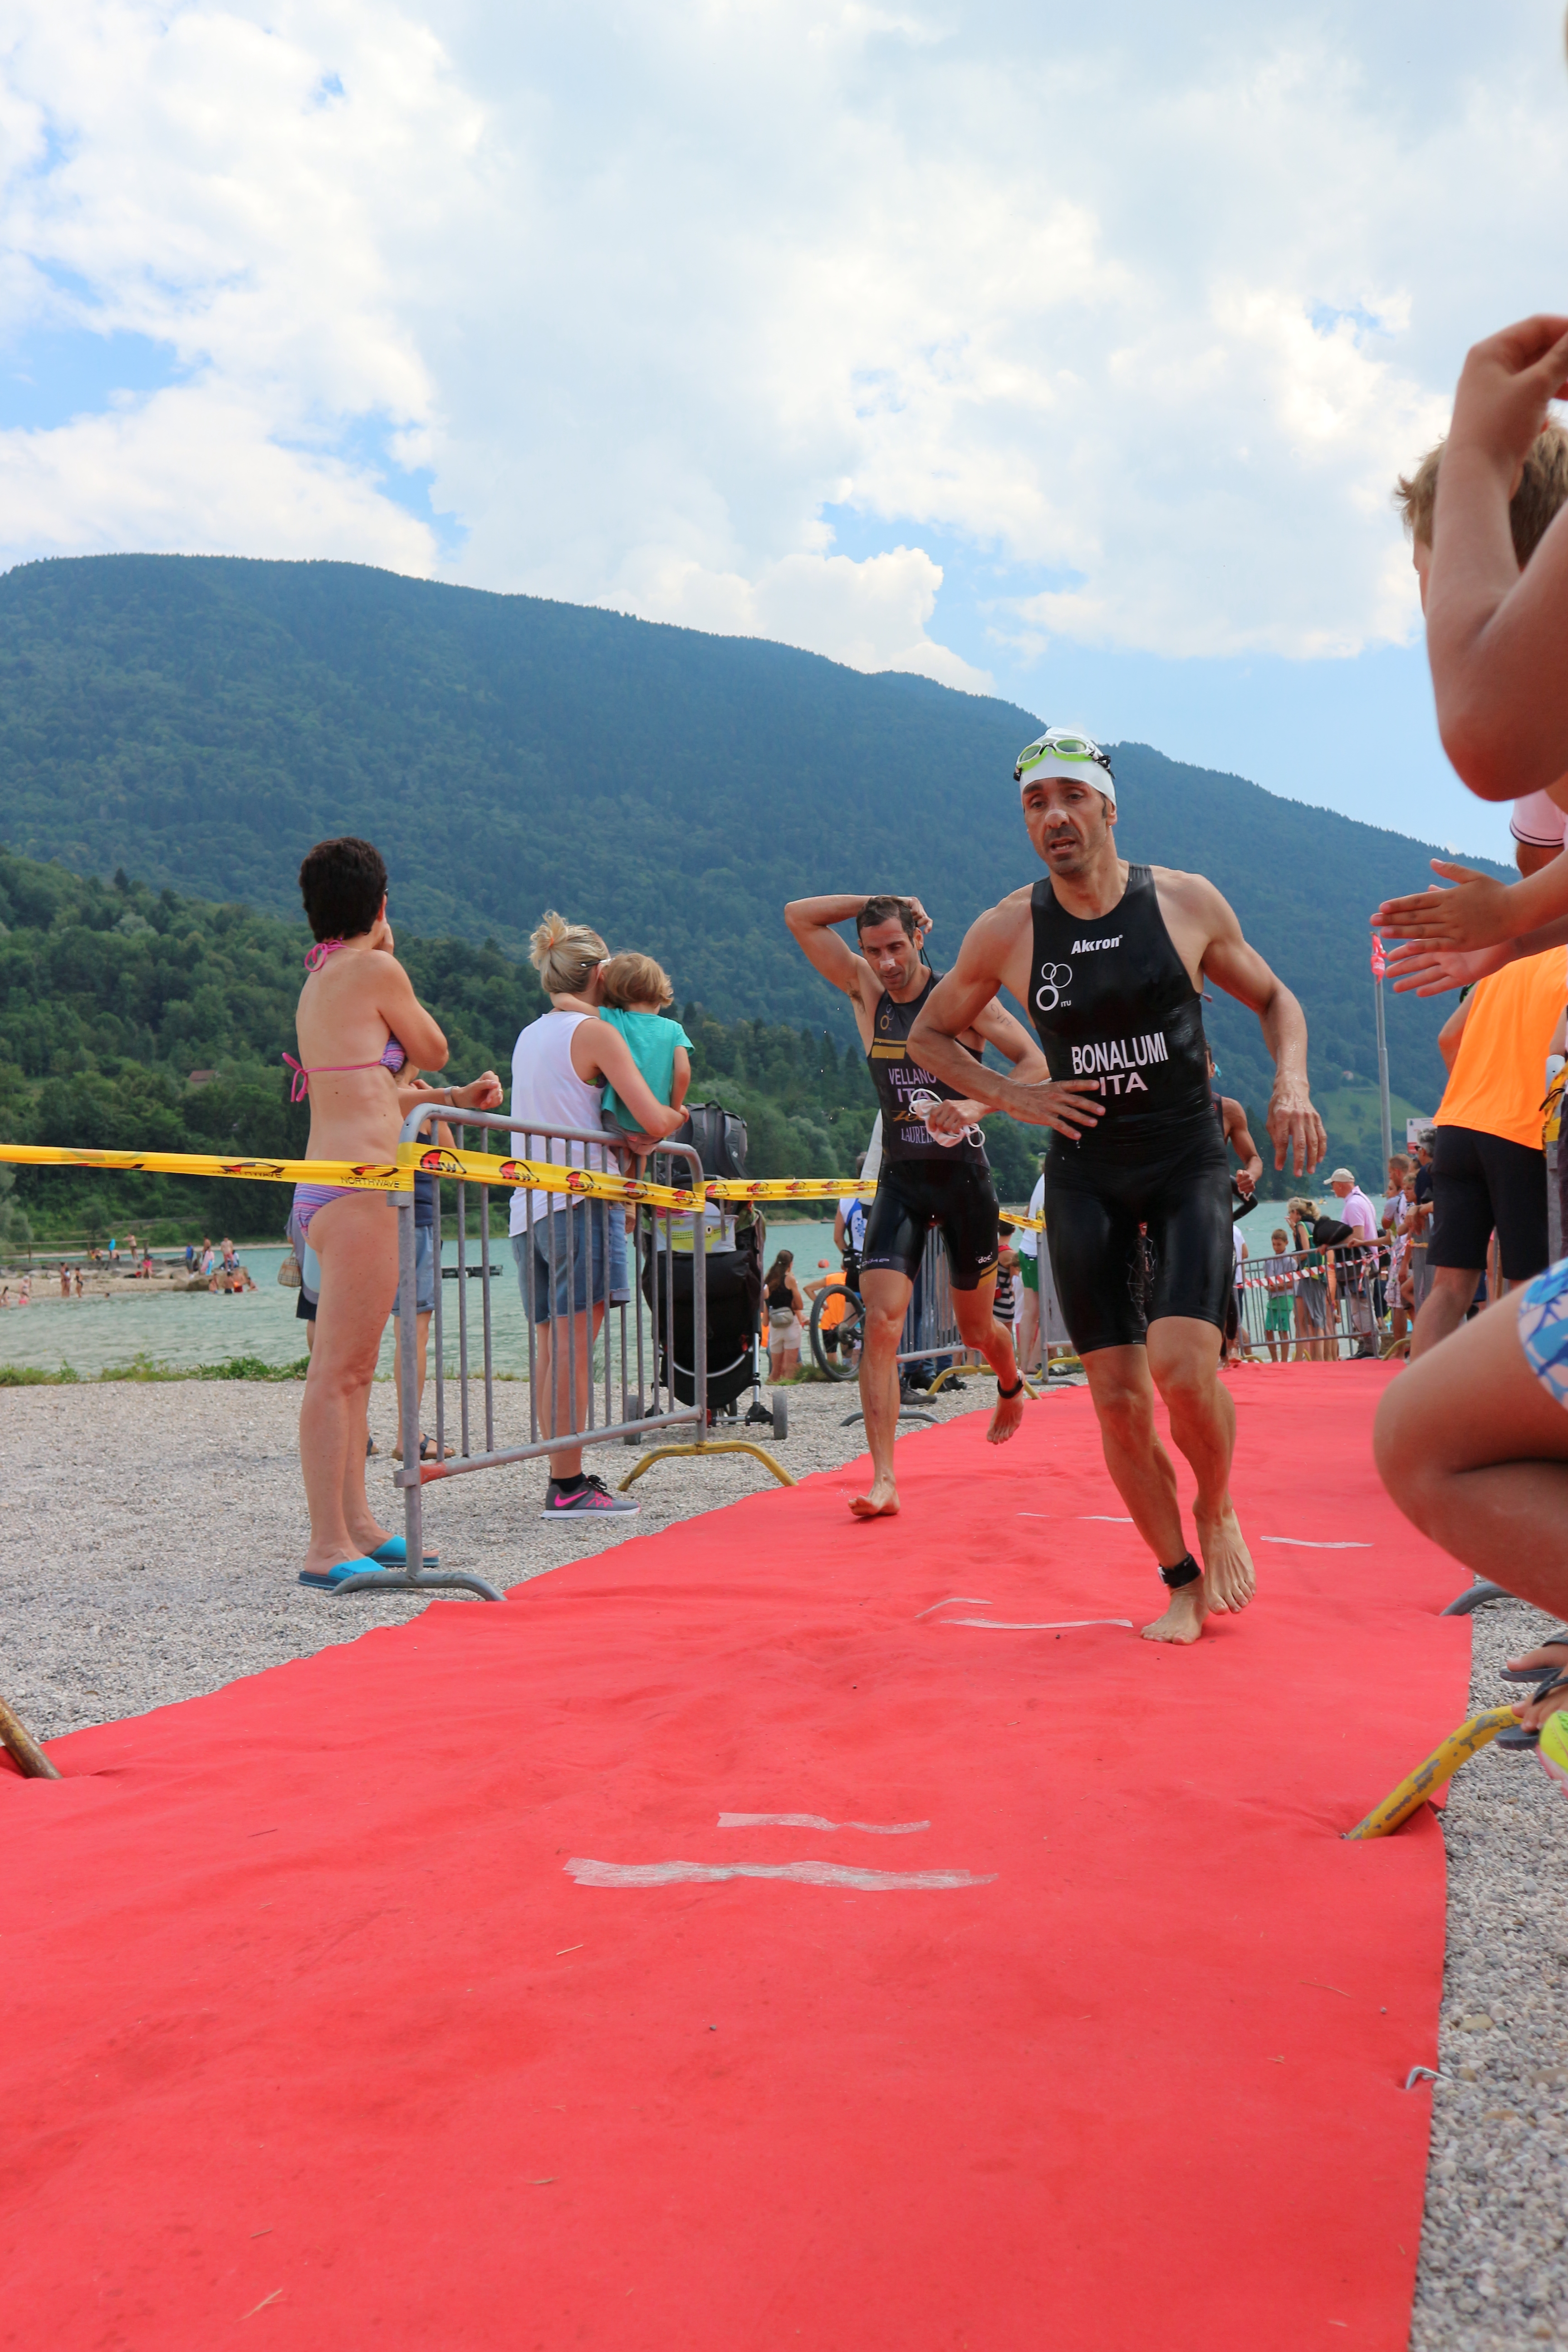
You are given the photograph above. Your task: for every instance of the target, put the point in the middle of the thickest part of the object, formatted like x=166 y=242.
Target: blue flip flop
x=393 y=1553
x=338 y=1575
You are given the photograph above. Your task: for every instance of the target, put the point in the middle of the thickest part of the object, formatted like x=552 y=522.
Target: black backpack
x=719 y=1138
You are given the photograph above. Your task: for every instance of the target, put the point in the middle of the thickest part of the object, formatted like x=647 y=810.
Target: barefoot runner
x=921 y=1182
x=1110 y=960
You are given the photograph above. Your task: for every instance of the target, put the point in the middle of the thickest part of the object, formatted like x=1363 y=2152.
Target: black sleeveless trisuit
x=1111 y=1000
x=923 y=1182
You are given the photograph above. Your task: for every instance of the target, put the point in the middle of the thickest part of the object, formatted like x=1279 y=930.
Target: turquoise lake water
x=191 y=1328
x=92 y=1334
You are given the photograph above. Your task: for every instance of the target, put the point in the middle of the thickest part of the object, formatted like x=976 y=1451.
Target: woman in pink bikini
x=358 y=1022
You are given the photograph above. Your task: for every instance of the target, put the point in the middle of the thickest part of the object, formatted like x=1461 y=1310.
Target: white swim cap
x=1066 y=751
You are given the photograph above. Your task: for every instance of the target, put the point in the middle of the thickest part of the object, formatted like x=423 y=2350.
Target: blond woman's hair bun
x=564 y=954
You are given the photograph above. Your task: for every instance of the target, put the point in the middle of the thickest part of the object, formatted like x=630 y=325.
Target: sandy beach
x=154 y=1532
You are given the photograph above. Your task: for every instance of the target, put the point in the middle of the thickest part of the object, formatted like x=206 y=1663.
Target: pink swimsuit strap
x=392 y=1058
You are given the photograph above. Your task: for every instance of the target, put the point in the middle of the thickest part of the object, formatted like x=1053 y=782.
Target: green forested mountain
x=199 y=722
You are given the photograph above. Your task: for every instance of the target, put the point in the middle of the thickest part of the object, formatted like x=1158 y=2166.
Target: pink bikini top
x=392 y=1056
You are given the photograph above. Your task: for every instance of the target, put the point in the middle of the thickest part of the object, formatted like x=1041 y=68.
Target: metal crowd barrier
x=650 y=1345
x=1360 y=1269
x=930 y=1332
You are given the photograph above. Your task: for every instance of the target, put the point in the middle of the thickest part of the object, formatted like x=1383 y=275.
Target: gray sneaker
x=592 y=1494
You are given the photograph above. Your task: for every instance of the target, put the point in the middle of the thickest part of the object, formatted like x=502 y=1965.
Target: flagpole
x=1377 y=964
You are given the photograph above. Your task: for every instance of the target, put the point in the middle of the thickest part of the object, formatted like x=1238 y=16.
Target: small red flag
x=1379 y=959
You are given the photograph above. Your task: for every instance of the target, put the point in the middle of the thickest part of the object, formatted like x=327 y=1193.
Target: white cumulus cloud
x=740 y=316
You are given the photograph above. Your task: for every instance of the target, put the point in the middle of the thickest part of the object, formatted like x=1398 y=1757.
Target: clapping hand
x=1418 y=968
x=1474 y=914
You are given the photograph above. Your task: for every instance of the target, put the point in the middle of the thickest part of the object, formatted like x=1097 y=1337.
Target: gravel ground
x=1494 y=2250
x=148 y=1496
x=151 y=1494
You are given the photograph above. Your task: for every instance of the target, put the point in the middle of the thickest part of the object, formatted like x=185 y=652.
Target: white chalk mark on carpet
x=964 y=1600
x=816 y=1822
x=1304 y=1543
x=1052 y=1625
x=801 y=1874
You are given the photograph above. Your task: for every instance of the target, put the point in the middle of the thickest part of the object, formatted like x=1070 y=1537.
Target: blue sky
x=1065 y=355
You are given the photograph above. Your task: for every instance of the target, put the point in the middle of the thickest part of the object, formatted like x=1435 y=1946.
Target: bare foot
x=1183 y=1617
x=1005 y=1420
x=1228 y=1578
x=881 y=1502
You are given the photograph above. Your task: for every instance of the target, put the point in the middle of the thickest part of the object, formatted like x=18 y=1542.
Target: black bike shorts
x=1481 y=1182
x=1113 y=1281
x=913 y=1196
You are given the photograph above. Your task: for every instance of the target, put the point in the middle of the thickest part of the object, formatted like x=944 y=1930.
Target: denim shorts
x=1313 y=1293
x=424 y=1271
x=580 y=1280
x=1543 y=1330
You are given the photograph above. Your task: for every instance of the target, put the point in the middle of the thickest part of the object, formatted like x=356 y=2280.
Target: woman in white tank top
x=560 y=1067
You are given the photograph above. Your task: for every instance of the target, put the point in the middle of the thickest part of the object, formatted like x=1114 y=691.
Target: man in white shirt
x=1356 y=1280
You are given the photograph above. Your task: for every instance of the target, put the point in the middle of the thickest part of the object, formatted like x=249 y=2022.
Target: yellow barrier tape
x=788 y=1188
x=541 y=1176
x=372 y=1177
x=477 y=1167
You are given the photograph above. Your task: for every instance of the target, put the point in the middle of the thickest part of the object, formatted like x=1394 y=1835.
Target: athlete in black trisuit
x=1109 y=959
x=1232 y=1126
x=1237 y=1138
x=922 y=1183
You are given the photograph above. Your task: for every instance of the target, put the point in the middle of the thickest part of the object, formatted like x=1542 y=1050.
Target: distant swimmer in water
x=925 y=1181
x=1110 y=960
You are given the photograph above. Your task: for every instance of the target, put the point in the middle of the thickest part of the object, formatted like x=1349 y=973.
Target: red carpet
x=311 y=2034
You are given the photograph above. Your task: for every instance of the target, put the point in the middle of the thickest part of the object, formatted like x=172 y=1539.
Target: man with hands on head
x=1110 y=960
x=925 y=1179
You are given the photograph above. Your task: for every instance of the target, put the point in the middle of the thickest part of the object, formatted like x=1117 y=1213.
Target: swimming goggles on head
x=923 y=1104
x=1064 y=751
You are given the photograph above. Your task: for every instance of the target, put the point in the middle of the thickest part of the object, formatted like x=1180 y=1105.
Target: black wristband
x=1186 y=1571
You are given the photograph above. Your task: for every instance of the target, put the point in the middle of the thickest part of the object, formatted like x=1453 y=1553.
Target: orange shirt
x=1500 y=1071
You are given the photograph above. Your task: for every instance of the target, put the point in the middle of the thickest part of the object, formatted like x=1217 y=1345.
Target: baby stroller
x=734 y=1287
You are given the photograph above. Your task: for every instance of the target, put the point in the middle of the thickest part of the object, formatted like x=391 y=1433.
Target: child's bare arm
x=682 y=1077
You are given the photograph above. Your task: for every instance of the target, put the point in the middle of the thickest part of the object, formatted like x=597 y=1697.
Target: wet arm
x=1294 y=1127
x=1238 y=1136
x=995 y=1026
x=957 y=1004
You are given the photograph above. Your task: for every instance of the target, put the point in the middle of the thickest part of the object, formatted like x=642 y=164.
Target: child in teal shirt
x=635 y=990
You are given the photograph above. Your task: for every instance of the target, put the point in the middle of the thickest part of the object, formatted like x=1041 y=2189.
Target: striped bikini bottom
x=309 y=1198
